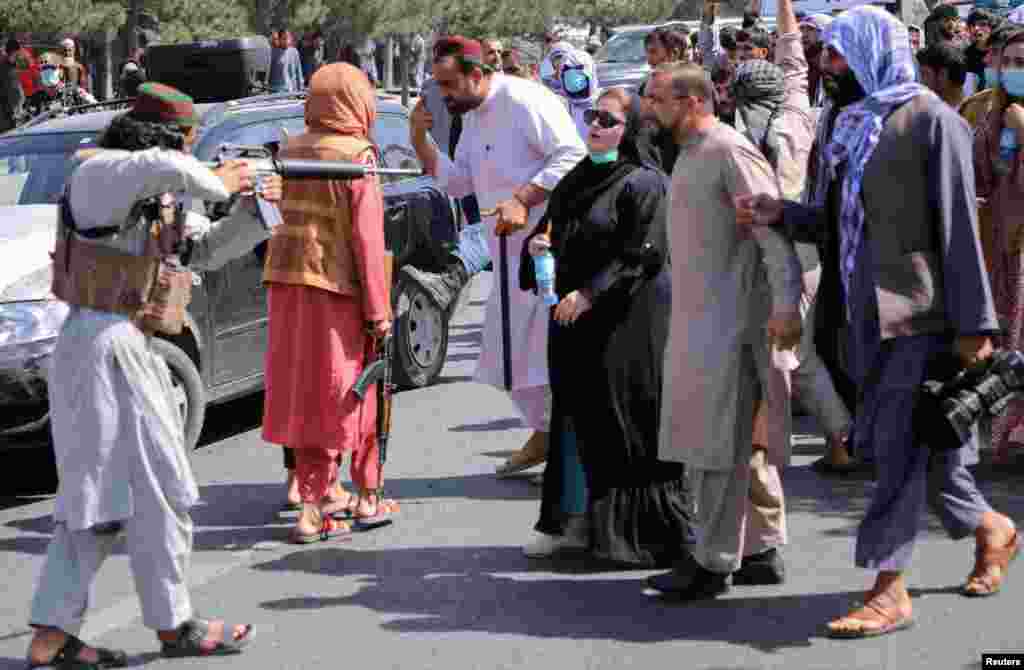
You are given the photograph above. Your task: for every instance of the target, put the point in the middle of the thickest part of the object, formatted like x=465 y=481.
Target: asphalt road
x=447 y=586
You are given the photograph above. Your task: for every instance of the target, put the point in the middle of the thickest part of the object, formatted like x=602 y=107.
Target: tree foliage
x=192 y=20
x=59 y=16
x=608 y=13
x=189 y=20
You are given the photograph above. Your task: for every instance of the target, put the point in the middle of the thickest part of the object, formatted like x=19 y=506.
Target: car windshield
x=624 y=48
x=34 y=168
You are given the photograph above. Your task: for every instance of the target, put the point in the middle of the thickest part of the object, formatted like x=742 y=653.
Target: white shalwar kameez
x=522 y=133
x=118 y=436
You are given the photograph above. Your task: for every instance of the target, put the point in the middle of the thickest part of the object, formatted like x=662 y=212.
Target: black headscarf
x=581 y=186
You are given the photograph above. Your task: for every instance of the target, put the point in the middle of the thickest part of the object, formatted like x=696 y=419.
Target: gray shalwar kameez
x=726 y=282
x=118 y=437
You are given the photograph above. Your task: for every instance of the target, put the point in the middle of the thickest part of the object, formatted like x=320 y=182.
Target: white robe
x=522 y=133
x=115 y=426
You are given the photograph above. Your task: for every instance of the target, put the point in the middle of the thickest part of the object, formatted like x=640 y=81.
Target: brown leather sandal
x=872 y=620
x=981 y=583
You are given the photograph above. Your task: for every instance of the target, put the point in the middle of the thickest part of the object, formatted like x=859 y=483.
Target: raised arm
x=707 y=38
x=789 y=55
x=453 y=176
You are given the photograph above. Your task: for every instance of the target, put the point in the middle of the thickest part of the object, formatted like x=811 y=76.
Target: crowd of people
x=800 y=216
x=772 y=217
x=31 y=84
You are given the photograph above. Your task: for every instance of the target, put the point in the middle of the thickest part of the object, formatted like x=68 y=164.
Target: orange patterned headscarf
x=341 y=100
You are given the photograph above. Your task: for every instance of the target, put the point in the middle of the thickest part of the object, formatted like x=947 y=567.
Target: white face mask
x=1012 y=82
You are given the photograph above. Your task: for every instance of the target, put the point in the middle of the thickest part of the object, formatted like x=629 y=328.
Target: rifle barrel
x=294 y=168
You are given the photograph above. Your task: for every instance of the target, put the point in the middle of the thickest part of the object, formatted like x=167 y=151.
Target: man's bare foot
x=995 y=530
x=886 y=608
x=997 y=545
x=212 y=636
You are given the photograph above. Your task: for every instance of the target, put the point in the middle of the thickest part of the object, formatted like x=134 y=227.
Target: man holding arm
x=914 y=290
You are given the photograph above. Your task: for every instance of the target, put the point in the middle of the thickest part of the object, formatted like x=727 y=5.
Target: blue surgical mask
x=602 y=157
x=575 y=82
x=1012 y=82
x=991 y=77
x=49 y=77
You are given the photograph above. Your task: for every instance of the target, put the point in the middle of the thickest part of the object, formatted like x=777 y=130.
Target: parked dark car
x=220 y=355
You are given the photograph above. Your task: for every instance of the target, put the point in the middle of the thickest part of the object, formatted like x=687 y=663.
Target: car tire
x=420 y=336
x=190 y=394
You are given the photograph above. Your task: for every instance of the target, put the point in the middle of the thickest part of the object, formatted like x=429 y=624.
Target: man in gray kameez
x=118 y=436
x=728 y=288
x=896 y=179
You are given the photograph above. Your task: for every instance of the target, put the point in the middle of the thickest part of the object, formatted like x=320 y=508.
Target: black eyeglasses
x=604 y=119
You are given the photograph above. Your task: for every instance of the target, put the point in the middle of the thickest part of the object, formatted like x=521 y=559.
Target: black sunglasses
x=604 y=119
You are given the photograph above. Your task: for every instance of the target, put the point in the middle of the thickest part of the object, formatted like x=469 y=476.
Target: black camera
x=954 y=398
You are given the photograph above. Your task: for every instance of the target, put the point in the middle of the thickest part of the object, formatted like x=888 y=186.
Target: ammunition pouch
x=152 y=289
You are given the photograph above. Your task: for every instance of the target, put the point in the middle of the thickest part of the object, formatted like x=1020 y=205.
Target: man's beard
x=842 y=89
x=812 y=52
x=461 y=105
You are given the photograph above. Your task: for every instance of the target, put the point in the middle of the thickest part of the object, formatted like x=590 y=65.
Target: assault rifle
x=262 y=163
x=379 y=373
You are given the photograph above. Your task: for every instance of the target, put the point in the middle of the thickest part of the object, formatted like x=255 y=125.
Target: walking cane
x=506 y=336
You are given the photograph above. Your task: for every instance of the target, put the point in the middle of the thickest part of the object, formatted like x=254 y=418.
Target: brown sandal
x=873 y=619
x=981 y=583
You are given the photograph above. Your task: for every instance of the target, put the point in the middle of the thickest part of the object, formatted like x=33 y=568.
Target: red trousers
x=317 y=469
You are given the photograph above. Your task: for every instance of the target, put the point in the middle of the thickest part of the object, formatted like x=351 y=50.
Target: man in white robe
x=517 y=142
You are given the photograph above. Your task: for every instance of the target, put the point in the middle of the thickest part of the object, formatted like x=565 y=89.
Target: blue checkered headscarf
x=876 y=47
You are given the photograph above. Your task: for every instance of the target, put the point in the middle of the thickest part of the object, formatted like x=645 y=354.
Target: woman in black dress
x=607 y=341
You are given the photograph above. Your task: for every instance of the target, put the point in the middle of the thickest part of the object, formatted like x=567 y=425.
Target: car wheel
x=187 y=389
x=420 y=336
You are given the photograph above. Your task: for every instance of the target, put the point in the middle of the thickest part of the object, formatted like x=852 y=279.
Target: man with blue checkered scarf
x=893 y=185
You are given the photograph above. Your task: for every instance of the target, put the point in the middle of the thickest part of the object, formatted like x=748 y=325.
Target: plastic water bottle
x=544 y=272
x=1007 y=151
